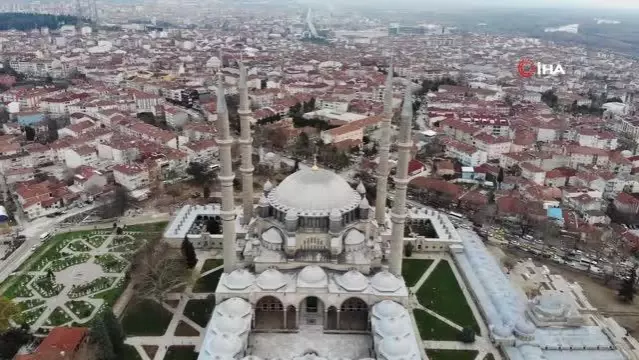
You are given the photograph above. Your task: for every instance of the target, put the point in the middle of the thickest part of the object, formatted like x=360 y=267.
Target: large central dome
x=314 y=192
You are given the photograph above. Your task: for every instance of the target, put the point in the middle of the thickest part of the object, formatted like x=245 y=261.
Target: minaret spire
x=246 y=142
x=226 y=176
x=384 y=148
x=398 y=214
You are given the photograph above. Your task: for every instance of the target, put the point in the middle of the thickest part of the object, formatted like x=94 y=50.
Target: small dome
x=263 y=201
x=291 y=215
x=271 y=279
x=384 y=281
x=388 y=309
x=352 y=280
x=525 y=327
x=364 y=204
x=268 y=186
x=234 y=307
x=551 y=304
x=335 y=215
x=229 y=325
x=312 y=276
x=395 y=326
x=502 y=331
x=224 y=345
x=361 y=189
x=395 y=348
x=239 y=279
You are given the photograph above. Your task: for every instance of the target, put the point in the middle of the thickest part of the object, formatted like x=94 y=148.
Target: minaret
x=226 y=176
x=398 y=214
x=384 y=148
x=246 y=147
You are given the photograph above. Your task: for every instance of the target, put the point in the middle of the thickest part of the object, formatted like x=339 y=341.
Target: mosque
x=313 y=271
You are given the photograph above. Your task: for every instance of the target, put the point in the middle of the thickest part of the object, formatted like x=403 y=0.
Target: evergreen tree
x=627 y=290
x=116 y=333
x=408 y=249
x=100 y=337
x=189 y=253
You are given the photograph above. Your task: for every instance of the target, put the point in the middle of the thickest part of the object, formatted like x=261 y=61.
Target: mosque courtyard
x=175 y=328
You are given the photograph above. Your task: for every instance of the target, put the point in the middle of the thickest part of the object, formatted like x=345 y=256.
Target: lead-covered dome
x=352 y=280
x=384 y=281
x=387 y=309
x=271 y=279
x=314 y=191
x=312 y=276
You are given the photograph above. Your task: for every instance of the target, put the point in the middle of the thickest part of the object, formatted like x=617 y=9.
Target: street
x=34 y=229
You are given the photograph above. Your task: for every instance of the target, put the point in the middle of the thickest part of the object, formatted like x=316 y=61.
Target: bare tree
x=156 y=270
x=508 y=263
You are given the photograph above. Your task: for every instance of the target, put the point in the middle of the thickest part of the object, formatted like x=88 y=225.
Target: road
x=34 y=229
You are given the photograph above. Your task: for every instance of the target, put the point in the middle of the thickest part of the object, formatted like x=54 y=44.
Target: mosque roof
x=314 y=192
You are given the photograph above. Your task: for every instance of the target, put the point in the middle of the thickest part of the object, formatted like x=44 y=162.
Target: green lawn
x=145 y=318
x=129 y=353
x=17 y=286
x=200 y=310
x=150 y=227
x=211 y=264
x=413 y=269
x=110 y=296
x=489 y=356
x=96 y=241
x=181 y=353
x=80 y=308
x=439 y=354
x=208 y=283
x=58 y=317
x=431 y=328
x=441 y=293
x=51 y=248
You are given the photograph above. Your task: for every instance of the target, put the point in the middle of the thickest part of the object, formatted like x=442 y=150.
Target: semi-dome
x=525 y=328
x=239 y=279
x=387 y=309
x=312 y=276
x=502 y=331
x=384 y=281
x=268 y=186
x=234 y=307
x=352 y=280
x=354 y=237
x=271 y=279
x=314 y=190
x=360 y=188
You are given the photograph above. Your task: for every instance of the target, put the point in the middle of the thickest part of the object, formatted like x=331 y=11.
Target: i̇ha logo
x=528 y=68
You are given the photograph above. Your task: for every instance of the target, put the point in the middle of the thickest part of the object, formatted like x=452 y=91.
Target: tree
x=4 y=116
x=29 y=133
x=500 y=176
x=508 y=263
x=117 y=203
x=467 y=335
x=50 y=274
x=8 y=309
x=302 y=146
x=118 y=231
x=408 y=249
x=213 y=226
x=155 y=272
x=189 y=253
x=549 y=98
x=206 y=191
x=115 y=331
x=627 y=290
x=100 y=337
x=147 y=117
x=12 y=340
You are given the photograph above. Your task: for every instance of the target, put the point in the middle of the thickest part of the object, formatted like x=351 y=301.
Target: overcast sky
x=601 y=4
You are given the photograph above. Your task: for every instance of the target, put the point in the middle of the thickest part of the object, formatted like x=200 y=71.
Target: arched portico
x=311 y=311
x=269 y=314
x=353 y=315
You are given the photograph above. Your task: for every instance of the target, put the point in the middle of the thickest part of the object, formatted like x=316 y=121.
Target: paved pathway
x=78 y=274
x=481 y=344
x=169 y=338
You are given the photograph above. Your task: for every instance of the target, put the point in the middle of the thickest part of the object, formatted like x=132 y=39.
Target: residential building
x=131 y=177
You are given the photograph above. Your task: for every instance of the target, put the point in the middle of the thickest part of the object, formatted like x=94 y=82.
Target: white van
x=45 y=236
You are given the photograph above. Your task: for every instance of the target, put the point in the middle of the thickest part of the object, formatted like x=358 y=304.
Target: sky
x=579 y=4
